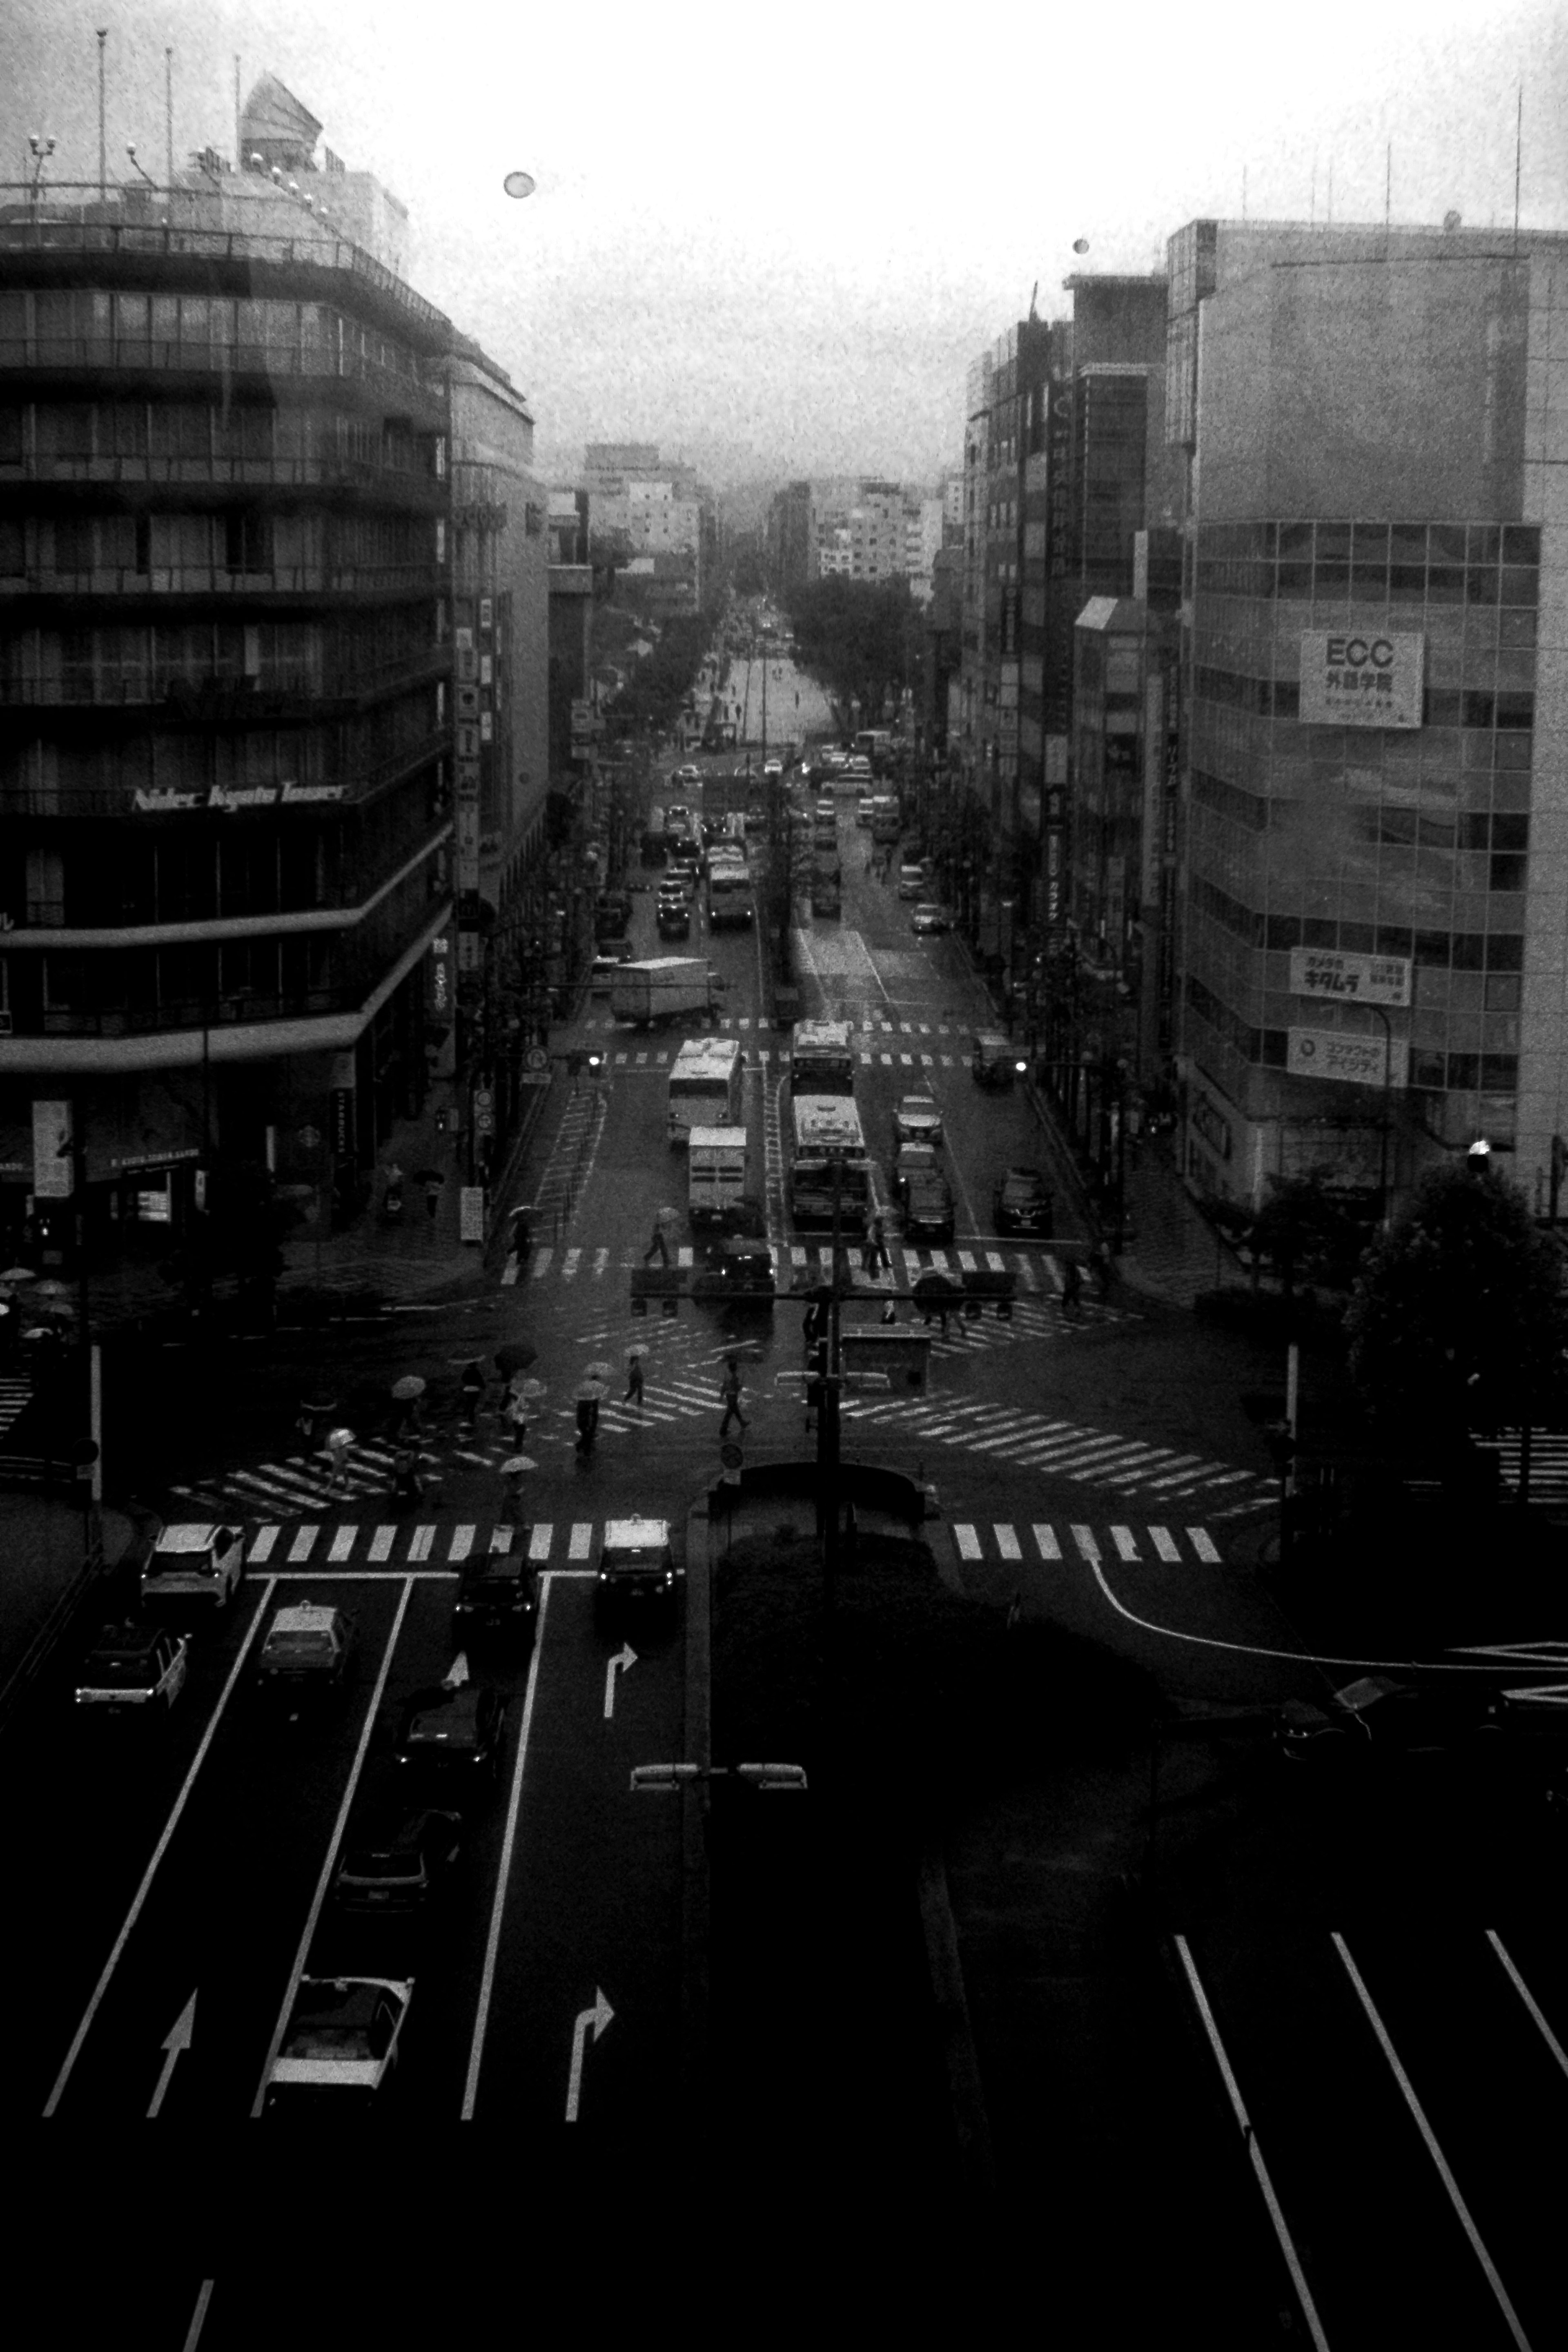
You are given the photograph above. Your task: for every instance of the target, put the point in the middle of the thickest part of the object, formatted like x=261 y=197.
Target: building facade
x=1375 y=740
x=227 y=793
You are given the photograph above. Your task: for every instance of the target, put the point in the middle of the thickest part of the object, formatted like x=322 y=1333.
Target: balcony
x=407 y=483
x=280 y=690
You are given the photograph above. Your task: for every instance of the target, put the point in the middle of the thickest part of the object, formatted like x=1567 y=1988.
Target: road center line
x=325 y=1877
x=503 y=1874
x=1407 y=2090
x=1537 y=2014
x=159 y=1851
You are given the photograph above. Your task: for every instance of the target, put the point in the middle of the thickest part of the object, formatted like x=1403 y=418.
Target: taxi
x=194 y=1560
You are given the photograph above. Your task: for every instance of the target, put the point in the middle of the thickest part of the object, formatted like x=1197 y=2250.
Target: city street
x=1097 y=1475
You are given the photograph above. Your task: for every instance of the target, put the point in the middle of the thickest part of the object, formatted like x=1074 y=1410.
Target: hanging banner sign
x=1366 y=979
x=1333 y=1054
x=52 y=1172
x=1351 y=680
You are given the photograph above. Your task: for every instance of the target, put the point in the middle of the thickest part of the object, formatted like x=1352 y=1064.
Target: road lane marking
x=462 y=1542
x=261 y=1545
x=1536 y=2015
x=159 y=1851
x=968 y=1542
x=539 y=1541
x=580 y=1541
x=343 y=1542
x=1007 y=1542
x=1126 y=1543
x=1255 y=2153
x=504 y=1874
x=1204 y=1543
x=304 y=1542
x=198 y=2316
x=421 y=1540
x=1165 y=1543
x=1084 y=1538
x=381 y=1543
x=1407 y=2091
x=1045 y=1538
x=325 y=1877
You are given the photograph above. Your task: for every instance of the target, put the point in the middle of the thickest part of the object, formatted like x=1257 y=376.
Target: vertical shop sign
x=53 y=1176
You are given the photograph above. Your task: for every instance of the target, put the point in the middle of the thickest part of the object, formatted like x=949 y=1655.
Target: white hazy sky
x=773 y=239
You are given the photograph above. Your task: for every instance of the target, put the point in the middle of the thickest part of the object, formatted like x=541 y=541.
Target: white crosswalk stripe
x=1033 y=1441
x=14 y=1396
x=355 y=1546
x=1136 y=1547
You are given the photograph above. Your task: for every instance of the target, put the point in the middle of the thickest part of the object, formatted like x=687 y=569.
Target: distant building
x=789 y=537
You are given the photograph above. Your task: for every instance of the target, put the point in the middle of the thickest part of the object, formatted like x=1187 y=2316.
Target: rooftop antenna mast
x=102 y=158
x=169 y=114
x=1518 y=160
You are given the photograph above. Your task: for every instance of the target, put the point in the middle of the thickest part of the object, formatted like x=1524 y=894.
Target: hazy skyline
x=790 y=238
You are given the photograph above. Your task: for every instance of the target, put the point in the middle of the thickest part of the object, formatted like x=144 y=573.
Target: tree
x=1459 y=1317
x=860 y=637
x=1308 y=1230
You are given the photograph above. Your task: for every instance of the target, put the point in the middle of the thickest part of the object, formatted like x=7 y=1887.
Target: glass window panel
x=1480 y=584
x=1333 y=541
x=1521 y=586
x=1520 y=542
x=1482 y=540
x=1446 y=542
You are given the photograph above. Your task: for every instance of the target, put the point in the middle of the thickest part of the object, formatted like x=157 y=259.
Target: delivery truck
x=716 y=1175
x=661 y=988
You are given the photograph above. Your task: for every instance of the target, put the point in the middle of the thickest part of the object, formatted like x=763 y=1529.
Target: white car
x=343 y=2035
x=772 y=767
x=131 y=1668
x=194 y=1560
x=918 y=1120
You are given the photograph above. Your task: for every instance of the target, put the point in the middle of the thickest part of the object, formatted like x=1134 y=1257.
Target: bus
x=875 y=744
x=705 y=1080
x=820 y=1060
x=729 y=899
x=826 y=1142
x=885 y=823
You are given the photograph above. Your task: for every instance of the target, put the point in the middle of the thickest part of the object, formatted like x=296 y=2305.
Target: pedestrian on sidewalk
x=1073 y=1290
x=432 y=1195
x=472 y=1386
x=1100 y=1267
x=338 y=1444
x=662 y=1226
x=514 y=1414
x=634 y=1378
x=880 y=1259
x=730 y=1396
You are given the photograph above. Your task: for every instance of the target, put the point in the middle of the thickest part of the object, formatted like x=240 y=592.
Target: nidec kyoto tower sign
x=1351 y=679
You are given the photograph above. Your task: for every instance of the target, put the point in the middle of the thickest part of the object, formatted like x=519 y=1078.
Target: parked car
x=396 y=1859
x=913 y=881
x=1021 y=1203
x=928 y=920
x=917 y=1119
x=927 y=1202
x=452 y=1736
x=194 y=1560
x=635 y=1577
x=133 y=1670
x=342 y=2036
x=497 y=1593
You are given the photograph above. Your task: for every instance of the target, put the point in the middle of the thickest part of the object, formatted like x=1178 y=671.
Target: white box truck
x=716 y=1174
x=661 y=987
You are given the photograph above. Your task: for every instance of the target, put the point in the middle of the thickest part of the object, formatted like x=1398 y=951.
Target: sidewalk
x=44 y=1564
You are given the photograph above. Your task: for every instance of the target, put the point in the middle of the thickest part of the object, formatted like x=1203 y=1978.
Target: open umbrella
x=667 y=1216
x=19 y=1274
x=597 y=1373
x=516 y=1462
x=428 y=1176
x=641 y=1349
x=51 y=1289
x=532 y=1389
x=591 y=1392
x=515 y=1357
x=409 y=1386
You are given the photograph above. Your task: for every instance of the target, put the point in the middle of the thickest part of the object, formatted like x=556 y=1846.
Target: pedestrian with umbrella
x=433 y=1182
x=513 y=1473
x=663 y=1224
x=634 y=1376
x=338 y=1444
x=472 y=1388
x=588 y=1398
x=515 y=1356
x=407 y=1392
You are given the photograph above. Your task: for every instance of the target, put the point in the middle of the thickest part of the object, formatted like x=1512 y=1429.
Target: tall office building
x=226 y=789
x=1375 y=736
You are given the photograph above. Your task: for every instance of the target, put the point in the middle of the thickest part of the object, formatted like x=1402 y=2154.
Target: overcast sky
x=774 y=239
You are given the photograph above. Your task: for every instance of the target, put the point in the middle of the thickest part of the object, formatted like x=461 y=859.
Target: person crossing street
x=730 y=1395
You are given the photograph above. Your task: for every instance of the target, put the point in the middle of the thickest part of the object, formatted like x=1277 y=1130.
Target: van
x=716 y=1174
x=993 y=1060
x=306 y=1648
x=912 y=880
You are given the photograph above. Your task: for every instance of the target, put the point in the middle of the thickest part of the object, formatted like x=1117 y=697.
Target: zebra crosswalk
x=1044 y=1543
x=14 y=1395
x=337 y=1548
x=1548 y=1464
x=371 y=1547
x=1065 y=1449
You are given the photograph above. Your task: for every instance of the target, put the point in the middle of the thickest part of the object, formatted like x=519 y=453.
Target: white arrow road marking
x=598 y=2017
x=624 y=1656
x=457 y=1674
x=180 y=2036
x=1540 y=1694
x=1524 y=1654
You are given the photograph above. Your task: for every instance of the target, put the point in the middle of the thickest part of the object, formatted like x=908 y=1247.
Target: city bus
x=820 y=1060
x=825 y=1136
x=729 y=899
x=705 y=1080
